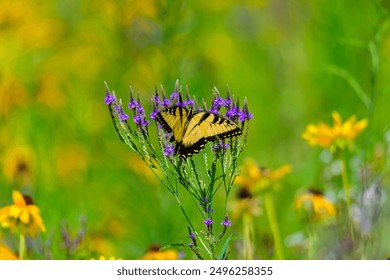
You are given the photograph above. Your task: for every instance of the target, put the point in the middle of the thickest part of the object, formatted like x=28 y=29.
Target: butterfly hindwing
x=192 y=131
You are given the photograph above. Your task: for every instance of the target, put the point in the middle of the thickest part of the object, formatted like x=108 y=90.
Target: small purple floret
x=208 y=222
x=133 y=104
x=165 y=102
x=153 y=115
x=174 y=95
x=109 y=99
x=226 y=222
x=123 y=117
x=169 y=149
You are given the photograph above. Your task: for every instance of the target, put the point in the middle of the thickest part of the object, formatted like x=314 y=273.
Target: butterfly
x=192 y=130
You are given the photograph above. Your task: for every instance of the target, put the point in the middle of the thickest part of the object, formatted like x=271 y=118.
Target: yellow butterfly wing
x=174 y=120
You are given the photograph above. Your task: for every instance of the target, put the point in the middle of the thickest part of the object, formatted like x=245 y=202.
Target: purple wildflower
x=122 y=116
x=153 y=114
x=228 y=102
x=208 y=222
x=219 y=147
x=165 y=102
x=214 y=110
x=226 y=222
x=156 y=99
x=175 y=95
x=189 y=102
x=109 y=99
x=218 y=102
x=191 y=244
x=169 y=149
x=133 y=104
x=138 y=119
x=192 y=235
x=232 y=113
x=180 y=104
x=244 y=115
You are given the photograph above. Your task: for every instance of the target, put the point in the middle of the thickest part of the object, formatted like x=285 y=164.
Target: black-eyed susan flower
x=257 y=178
x=6 y=253
x=314 y=206
x=340 y=135
x=154 y=253
x=18 y=163
x=245 y=204
x=23 y=215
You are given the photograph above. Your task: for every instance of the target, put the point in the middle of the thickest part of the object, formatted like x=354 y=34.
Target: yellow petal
x=18 y=199
x=14 y=211
x=336 y=118
x=24 y=216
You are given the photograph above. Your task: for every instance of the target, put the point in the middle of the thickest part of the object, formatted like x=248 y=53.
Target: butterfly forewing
x=174 y=120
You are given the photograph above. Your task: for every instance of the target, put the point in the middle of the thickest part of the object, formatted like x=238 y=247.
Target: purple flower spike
x=169 y=149
x=156 y=99
x=138 y=119
x=189 y=102
x=208 y=222
x=133 y=104
x=232 y=113
x=123 y=117
x=174 y=95
x=219 y=102
x=192 y=235
x=109 y=99
x=226 y=222
x=219 y=147
x=165 y=103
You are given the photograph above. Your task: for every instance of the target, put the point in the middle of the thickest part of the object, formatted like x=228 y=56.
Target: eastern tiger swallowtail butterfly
x=191 y=131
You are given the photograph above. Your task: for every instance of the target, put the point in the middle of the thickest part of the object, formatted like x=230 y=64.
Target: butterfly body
x=192 y=130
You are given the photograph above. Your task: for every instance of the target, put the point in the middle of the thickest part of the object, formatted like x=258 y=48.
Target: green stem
x=344 y=178
x=192 y=227
x=311 y=243
x=346 y=186
x=270 y=210
x=247 y=223
x=22 y=246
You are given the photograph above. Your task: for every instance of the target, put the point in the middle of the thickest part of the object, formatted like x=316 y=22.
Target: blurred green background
x=57 y=141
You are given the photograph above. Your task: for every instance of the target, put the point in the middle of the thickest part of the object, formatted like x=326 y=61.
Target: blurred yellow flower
x=245 y=203
x=6 y=253
x=102 y=258
x=258 y=179
x=154 y=253
x=22 y=215
x=340 y=135
x=315 y=206
x=18 y=162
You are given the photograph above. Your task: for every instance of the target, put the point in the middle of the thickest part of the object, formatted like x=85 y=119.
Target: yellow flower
x=315 y=206
x=340 y=135
x=259 y=179
x=6 y=253
x=102 y=258
x=18 y=164
x=22 y=215
x=245 y=203
x=154 y=253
